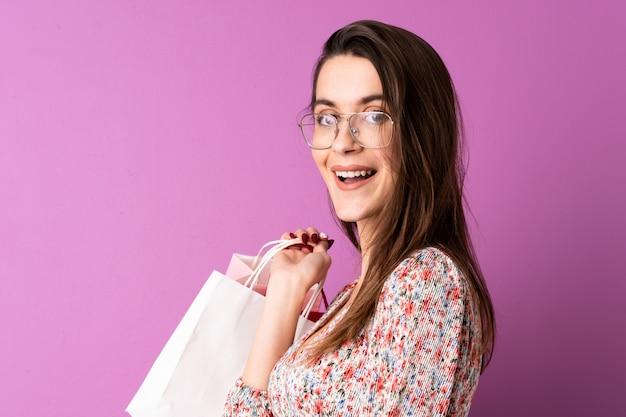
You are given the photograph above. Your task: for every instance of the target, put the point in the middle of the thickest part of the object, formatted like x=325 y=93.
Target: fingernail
x=305 y=238
x=315 y=238
x=330 y=243
x=323 y=235
x=292 y=235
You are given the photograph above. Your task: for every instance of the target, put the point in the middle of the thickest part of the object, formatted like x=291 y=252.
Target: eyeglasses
x=370 y=129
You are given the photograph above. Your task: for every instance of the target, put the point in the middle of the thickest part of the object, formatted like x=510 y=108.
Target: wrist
x=285 y=290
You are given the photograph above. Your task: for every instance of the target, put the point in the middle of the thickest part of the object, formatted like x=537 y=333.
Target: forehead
x=345 y=80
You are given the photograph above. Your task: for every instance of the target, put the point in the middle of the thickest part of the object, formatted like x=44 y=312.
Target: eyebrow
x=364 y=100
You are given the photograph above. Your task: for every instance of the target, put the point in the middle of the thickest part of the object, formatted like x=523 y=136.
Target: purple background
x=142 y=142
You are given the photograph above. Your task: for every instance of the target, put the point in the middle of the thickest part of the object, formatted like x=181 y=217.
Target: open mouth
x=349 y=177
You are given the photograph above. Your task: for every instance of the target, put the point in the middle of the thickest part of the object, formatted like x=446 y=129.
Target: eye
x=374 y=117
x=325 y=120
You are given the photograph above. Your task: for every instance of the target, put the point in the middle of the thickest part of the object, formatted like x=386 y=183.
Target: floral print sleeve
x=244 y=400
x=418 y=356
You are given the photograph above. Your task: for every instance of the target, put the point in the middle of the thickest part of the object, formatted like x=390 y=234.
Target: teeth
x=352 y=174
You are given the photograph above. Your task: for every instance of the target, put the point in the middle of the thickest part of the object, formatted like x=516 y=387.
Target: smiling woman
x=411 y=335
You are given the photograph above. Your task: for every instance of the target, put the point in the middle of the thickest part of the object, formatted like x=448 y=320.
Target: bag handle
x=278 y=246
x=309 y=306
x=258 y=258
x=265 y=259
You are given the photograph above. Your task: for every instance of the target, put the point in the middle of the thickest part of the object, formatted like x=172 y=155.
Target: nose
x=344 y=142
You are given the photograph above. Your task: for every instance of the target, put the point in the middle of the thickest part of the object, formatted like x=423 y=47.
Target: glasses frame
x=353 y=131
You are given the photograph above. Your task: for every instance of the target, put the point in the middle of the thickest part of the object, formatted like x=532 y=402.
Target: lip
x=349 y=187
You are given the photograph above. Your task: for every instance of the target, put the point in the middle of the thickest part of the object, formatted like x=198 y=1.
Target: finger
x=324 y=238
x=315 y=236
x=320 y=238
x=305 y=235
x=309 y=237
x=287 y=236
x=323 y=245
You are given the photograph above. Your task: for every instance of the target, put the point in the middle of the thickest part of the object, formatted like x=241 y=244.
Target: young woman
x=411 y=335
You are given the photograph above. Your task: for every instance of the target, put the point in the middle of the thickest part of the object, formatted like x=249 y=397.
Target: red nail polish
x=315 y=238
x=330 y=243
x=292 y=235
x=305 y=238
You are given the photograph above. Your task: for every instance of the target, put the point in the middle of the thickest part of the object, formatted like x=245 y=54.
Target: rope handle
x=261 y=261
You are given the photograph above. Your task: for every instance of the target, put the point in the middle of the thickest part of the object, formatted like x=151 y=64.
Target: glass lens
x=371 y=129
x=319 y=130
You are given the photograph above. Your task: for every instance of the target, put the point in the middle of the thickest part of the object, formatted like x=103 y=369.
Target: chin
x=348 y=216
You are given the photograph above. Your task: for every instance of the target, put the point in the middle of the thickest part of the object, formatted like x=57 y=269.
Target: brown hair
x=427 y=204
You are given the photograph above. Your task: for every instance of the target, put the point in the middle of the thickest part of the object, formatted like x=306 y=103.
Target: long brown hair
x=427 y=204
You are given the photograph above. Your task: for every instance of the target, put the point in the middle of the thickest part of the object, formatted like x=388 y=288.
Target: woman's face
x=359 y=180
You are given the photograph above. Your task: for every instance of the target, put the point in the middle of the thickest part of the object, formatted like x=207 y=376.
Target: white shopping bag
x=207 y=352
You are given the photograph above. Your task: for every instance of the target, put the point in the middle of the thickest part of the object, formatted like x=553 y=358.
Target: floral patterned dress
x=418 y=356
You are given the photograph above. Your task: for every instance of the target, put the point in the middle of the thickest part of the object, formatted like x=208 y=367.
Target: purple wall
x=143 y=142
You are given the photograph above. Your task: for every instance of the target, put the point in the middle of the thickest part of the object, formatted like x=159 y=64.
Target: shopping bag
x=241 y=266
x=207 y=352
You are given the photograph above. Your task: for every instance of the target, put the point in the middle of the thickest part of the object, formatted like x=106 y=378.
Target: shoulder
x=424 y=299
x=426 y=271
x=429 y=264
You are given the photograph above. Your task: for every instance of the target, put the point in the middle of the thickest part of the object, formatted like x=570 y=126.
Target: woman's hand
x=292 y=274
x=296 y=269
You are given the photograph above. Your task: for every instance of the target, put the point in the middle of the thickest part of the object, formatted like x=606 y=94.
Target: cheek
x=320 y=160
x=391 y=177
x=391 y=165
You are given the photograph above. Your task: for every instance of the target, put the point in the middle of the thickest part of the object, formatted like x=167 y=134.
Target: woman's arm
x=276 y=329
x=293 y=273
